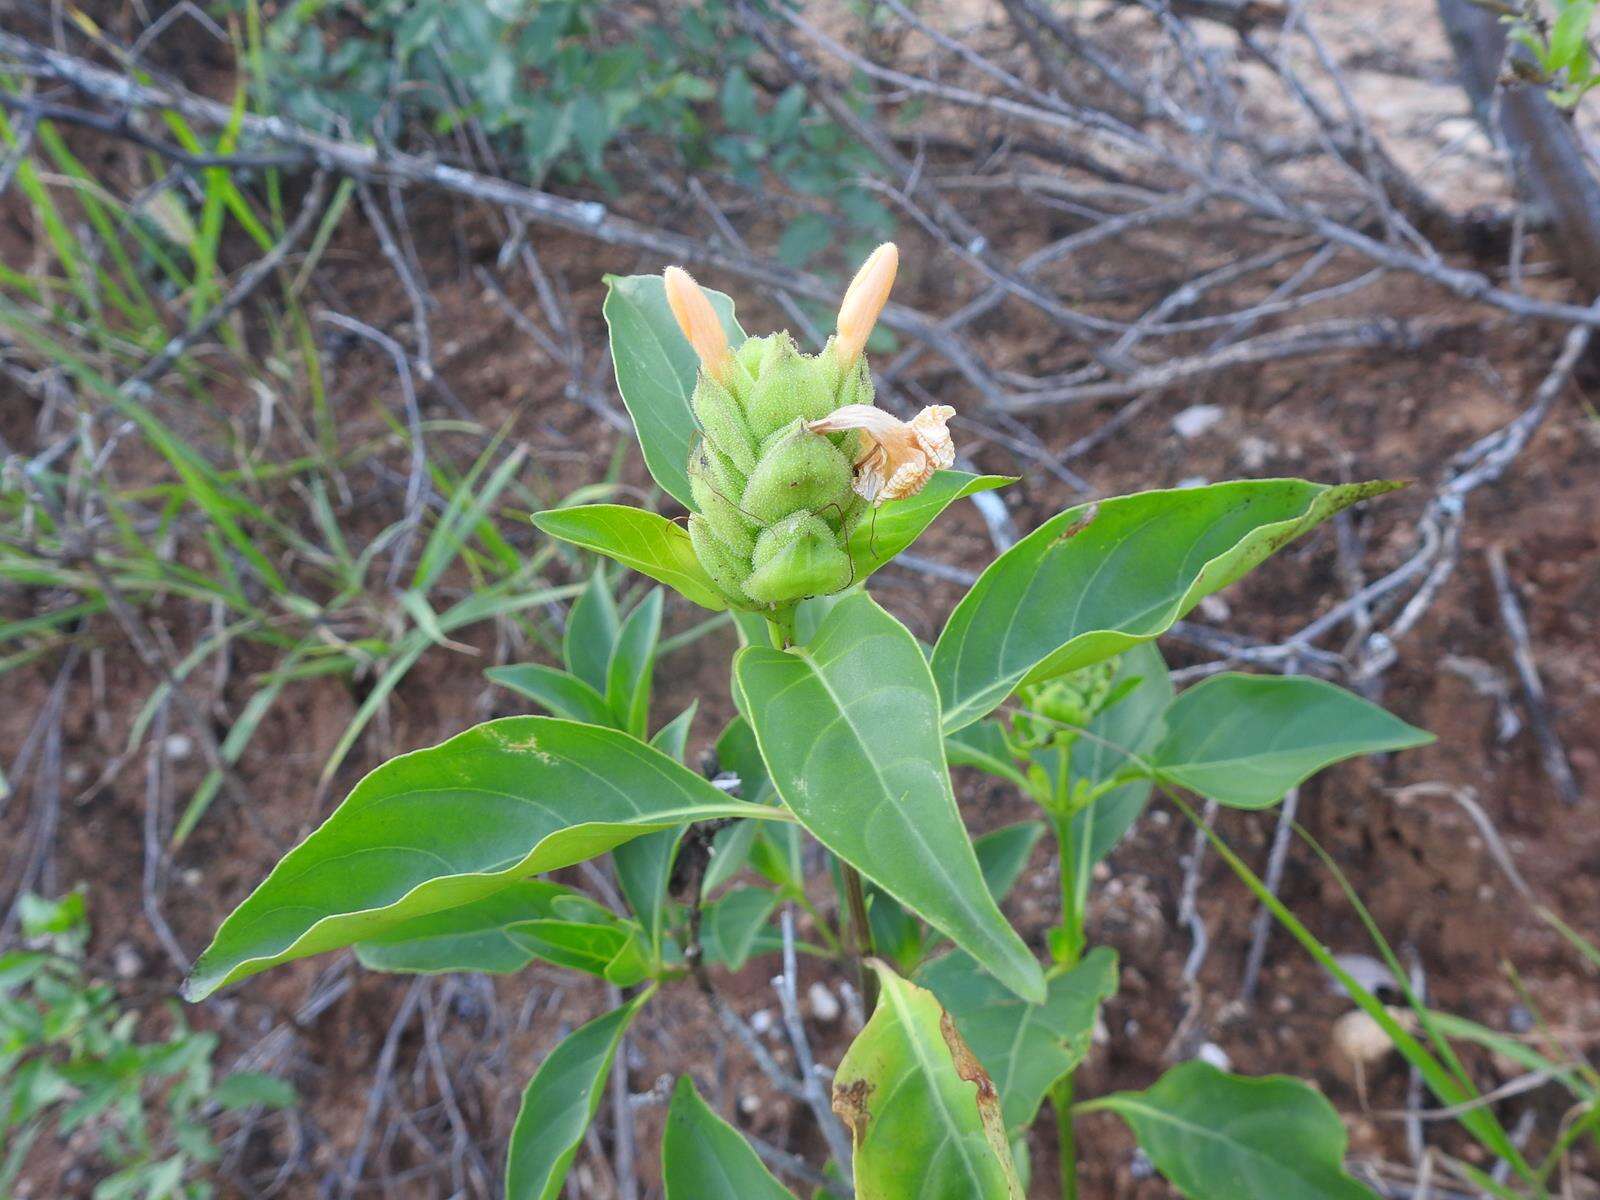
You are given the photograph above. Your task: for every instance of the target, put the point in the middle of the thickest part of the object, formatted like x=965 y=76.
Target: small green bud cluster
x=775 y=502
x=1053 y=709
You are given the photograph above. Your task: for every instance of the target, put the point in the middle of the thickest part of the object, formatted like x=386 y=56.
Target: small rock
x=1101 y=872
x=125 y=961
x=1254 y=452
x=1215 y=608
x=749 y=1104
x=178 y=746
x=1127 y=915
x=1282 y=1004
x=191 y=876
x=1210 y=1052
x=1368 y=972
x=1192 y=481
x=1362 y=1041
x=1140 y=1166
x=1196 y=419
x=823 y=1003
x=1519 y=1019
x=761 y=1020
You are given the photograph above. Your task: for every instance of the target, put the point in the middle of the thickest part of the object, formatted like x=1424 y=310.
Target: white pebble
x=1360 y=1039
x=761 y=1020
x=125 y=961
x=1254 y=452
x=824 y=1004
x=1369 y=973
x=178 y=746
x=1196 y=419
x=1214 y=1054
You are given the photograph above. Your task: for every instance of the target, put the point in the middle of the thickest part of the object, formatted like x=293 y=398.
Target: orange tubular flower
x=864 y=300
x=698 y=320
x=900 y=456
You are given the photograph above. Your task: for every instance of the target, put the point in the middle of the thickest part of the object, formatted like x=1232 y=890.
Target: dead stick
x=1551 y=753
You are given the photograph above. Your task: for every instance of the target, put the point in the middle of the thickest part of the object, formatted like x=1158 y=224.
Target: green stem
x=1066 y=956
x=780 y=624
x=1066 y=1138
x=823 y=928
x=1071 y=912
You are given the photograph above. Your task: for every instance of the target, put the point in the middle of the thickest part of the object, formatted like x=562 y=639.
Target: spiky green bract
x=774 y=505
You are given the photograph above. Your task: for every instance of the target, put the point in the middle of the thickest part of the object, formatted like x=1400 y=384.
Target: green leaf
x=632 y=666
x=1098 y=579
x=922 y=1112
x=983 y=745
x=592 y=626
x=637 y=538
x=1024 y=1047
x=803 y=238
x=704 y=1158
x=1225 y=1137
x=449 y=825
x=730 y=851
x=672 y=739
x=557 y=692
x=579 y=945
x=1133 y=724
x=848 y=726
x=1003 y=854
x=251 y=1089
x=897 y=936
x=656 y=369
x=1245 y=740
x=1568 y=36
x=886 y=531
x=479 y=936
x=559 y=1103
x=644 y=865
x=730 y=925
x=739 y=752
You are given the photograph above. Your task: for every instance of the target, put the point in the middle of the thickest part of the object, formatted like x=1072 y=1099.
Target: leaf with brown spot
x=1026 y=1047
x=923 y=1113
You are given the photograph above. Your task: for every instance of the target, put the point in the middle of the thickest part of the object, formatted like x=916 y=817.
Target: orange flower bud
x=864 y=300
x=698 y=320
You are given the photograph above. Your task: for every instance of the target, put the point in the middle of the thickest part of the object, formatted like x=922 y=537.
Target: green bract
x=775 y=506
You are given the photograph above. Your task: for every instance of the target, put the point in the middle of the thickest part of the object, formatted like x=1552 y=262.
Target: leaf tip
x=1355 y=493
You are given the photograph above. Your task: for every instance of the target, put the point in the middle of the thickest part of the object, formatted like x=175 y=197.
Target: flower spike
x=864 y=300
x=698 y=320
